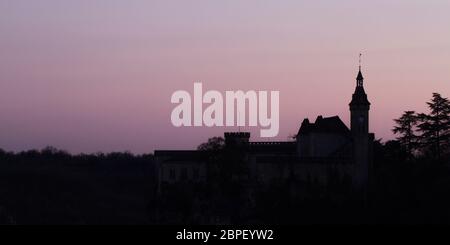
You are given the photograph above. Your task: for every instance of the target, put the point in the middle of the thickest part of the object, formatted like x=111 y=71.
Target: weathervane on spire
x=359 y=78
x=360 y=61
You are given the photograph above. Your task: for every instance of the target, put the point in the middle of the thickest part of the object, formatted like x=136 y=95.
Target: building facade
x=323 y=148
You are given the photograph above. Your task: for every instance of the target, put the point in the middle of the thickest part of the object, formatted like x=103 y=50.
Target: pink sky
x=91 y=75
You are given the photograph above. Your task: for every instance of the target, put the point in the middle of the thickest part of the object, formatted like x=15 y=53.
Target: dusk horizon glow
x=97 y=76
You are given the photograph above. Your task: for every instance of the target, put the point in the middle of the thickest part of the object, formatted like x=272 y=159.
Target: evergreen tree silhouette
x=405 y=128
x=435 y=126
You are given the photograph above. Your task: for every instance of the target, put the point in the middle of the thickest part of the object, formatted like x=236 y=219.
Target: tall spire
x=359 y=97
x=359 y=78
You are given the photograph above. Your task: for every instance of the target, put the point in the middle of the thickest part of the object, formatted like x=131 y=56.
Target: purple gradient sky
x=91 y=75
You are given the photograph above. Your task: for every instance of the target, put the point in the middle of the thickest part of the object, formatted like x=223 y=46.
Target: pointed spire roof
x=360 y=76
x=360 y=96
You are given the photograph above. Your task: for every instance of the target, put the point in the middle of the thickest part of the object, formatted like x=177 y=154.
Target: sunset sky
x=91 y=75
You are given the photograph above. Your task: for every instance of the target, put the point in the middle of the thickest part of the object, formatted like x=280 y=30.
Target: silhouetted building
x=324 y=148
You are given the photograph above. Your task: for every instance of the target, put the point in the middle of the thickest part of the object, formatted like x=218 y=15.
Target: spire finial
x=359 y=78
x=360 y=61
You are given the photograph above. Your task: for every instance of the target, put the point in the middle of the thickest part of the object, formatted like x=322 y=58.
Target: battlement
x=237 y=135
x=273 y=143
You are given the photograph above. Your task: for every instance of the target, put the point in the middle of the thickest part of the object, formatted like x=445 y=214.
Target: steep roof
x=360 y=76
x=359 y=97
x=330 y=125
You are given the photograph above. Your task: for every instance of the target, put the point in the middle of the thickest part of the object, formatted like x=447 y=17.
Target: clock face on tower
x=361 y=119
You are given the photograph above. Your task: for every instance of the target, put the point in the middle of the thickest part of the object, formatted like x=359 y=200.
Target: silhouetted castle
x=322 y=149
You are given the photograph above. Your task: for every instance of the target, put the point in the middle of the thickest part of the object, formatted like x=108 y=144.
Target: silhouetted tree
x=434 y=127
x=405 y=128
x=213 y=144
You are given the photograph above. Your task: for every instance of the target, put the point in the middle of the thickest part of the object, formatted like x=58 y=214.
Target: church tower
x=359 y=108
x=362 y=140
